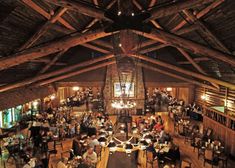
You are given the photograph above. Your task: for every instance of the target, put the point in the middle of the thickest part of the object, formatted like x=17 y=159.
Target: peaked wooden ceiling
x=44 y=41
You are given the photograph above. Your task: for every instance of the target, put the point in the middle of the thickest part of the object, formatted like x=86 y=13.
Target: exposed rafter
x=188 y=57
x=91 y=23
x=197 y=60
x=200 y=14
x=175 y=8
x=83 y=8
x=53 y=73
x=180 y=42
x=47 y=15
x=52 y=62
x=68 y=75
x=48 y=24
x=206 y=31
x=44 y=60
x=183 y=71
x=50 y=47
x=153 y=68
x=42 y=29
x=185 y=54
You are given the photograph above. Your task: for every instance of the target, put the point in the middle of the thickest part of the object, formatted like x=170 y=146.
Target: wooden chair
x=185 y=164
x=150 y=159
x=200 y=151
x=224 y=159
x=209 y=158
x=181 y=129
x=196 y=143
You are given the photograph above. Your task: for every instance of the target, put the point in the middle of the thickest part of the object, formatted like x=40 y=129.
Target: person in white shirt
x=90 y=157
x=93 y=142
x=31 y=163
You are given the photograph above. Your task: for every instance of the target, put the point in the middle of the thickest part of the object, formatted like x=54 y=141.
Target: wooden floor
x=186 y=150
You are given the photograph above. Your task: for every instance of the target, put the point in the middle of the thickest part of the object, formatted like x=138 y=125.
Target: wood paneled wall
x=21 y=96
x=216 y=98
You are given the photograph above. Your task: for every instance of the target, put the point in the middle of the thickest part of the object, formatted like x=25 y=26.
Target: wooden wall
x=21 y=96
x=216 y=98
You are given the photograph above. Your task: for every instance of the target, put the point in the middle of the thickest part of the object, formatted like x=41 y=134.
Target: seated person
x=162 y=135
x=90 y=157
x=62 y=163
x=158 y=126
x=93 y=141
x=30 y=163
x=76 y=147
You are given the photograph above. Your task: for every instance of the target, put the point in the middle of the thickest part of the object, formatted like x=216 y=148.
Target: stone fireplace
x=112 y=77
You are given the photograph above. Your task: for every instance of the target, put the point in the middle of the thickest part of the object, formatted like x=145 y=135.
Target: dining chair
x=210 y=159
x=150 y=159
x=185 y=164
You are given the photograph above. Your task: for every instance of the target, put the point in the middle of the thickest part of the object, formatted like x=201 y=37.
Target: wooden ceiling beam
x=83 y=8
x=188 y=57
x=42 y=30
x=179 y=32
x=197 y=60
x=50 y=47
x=195 y=65
x=68 y=75
x=47 y=15
x=154 y=48
x=53 y=19
x=47 y=61
x=52 y=62
x=147 y=66
x=87 y=45
x=179 y=42
x=94 y=21
x=176 y=7
x=157 y=25
x=152 y=3
x=53 y=73
x=185 y=54
x=206 y=31
x=200 y=14
x=184 y=71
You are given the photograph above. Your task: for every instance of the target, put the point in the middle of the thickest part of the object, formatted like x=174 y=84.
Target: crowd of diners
x=159 y=143
x=32 y=149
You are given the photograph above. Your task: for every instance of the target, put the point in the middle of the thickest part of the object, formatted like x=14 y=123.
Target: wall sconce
x=35 y=103
x=203 y=97
x=52 y=97
x=75 y=88
x=169 y=89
